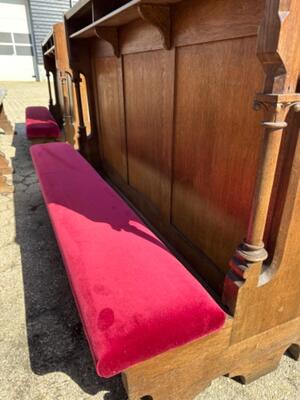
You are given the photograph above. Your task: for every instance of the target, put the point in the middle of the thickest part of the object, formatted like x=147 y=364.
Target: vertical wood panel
x=149 y=84
x=217 y=144
x=111 y=111
x=61 y=48
x=197 y=21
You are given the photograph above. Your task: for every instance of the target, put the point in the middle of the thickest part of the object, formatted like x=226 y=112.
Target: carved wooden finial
x=110 y=35
x=160 y=17
x=277 y=41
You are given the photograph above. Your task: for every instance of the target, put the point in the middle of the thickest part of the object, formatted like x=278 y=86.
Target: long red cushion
x=40 y=123
x=136 y=300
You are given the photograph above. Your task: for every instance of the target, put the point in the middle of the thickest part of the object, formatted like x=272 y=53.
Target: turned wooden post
x=49 y=90
x=252 y=249
x=82 y=136
x=277 y=99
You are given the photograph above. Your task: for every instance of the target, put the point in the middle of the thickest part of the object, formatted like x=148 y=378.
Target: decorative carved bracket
x=160 y=17
x=110 y=35
x=277 y=103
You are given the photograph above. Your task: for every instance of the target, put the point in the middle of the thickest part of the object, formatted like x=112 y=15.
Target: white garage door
x=16 y=54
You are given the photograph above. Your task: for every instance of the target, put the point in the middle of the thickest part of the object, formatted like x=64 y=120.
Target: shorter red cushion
x=136 y=300
x=40 y=123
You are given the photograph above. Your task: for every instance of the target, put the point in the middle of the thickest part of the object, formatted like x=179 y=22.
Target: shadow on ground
x=55 y=336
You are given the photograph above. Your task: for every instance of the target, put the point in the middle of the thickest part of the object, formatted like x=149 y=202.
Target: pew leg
x=184 y=372
x=165 y=387
x=181 y=373
x=254 y=362
x=255 y=372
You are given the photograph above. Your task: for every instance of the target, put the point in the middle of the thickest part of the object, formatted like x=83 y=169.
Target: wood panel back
x=148 y=83
x=188 y=141
x=217 y=143
x=108 y=75
x=212 y=20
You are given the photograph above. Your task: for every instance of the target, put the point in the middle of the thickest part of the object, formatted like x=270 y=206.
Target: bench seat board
x=135 y=299
x=40 y=123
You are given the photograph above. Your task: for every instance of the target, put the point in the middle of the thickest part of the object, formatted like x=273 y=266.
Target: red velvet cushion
x=135 y=299
x=40 y=123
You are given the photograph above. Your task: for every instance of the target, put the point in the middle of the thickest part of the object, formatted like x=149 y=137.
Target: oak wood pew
x=193 y=116
x=134 y=297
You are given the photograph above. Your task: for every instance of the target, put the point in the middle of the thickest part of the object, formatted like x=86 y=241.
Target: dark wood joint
x=294 y=351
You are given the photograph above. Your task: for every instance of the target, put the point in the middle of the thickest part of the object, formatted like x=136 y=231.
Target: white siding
x=16 y=56
x=44 y=14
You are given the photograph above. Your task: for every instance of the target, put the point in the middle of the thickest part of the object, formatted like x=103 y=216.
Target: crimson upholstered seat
x=134 y=297
x=40 y=124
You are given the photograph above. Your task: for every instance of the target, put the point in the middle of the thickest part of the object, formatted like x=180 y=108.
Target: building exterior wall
x=43 y=15
x=24 y=24
x=17 y=61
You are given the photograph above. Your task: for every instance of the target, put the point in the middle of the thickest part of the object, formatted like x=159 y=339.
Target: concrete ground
x=43 y=352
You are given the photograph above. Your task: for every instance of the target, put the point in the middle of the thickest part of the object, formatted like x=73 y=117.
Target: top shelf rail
x=121 y=16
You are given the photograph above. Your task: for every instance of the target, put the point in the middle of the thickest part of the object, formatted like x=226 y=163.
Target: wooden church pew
x=194 y=118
